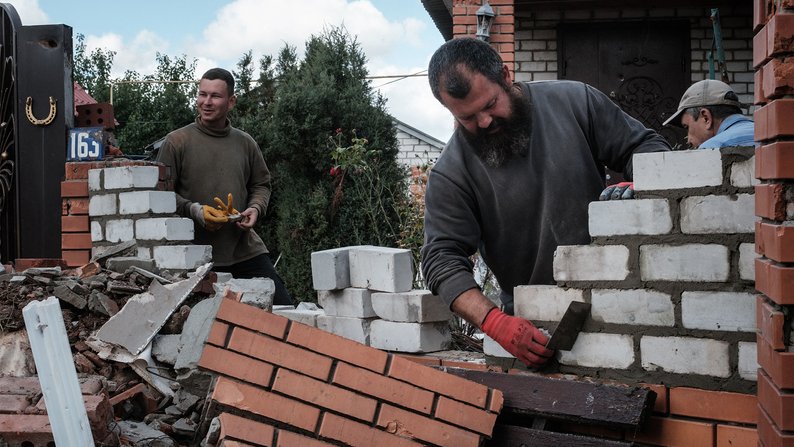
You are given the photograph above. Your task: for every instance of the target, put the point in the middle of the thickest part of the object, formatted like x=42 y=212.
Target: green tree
x=92 y=71
x=148 y=107
x=327 y=91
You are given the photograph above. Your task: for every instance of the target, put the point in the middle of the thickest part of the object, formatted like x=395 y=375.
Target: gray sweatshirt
x=517 y=214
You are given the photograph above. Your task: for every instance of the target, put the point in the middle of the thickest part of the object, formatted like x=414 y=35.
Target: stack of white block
x=125 y=205
x=366 y=294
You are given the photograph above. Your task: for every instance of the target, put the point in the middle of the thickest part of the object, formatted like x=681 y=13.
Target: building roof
x=81 y=97
x=425 y=138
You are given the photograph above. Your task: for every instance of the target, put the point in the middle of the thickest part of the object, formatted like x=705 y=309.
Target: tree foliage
x=302 y=113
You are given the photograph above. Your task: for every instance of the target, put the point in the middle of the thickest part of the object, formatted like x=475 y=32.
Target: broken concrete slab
x=120 y=264
x=64 y=294
x=165 y=348
x=138 y=434
x=134 y=326
x=101 y=303
x=100 y=254
x=195 y=332
x=16 y=358
x=257 y=292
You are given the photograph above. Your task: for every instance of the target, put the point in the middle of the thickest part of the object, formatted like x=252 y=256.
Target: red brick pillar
x=464 y=23
x=773 y=59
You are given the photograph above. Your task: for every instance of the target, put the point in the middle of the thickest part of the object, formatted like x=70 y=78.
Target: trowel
x=568 y=328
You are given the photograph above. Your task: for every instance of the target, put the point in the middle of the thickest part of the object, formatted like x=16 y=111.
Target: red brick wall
x=464 y=24
x=318 y=386
x=773 y=59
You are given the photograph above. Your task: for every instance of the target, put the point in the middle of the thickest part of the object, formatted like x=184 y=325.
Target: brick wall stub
x=775 y=160
x=775 y=280
x=776 y=403
x=310 y=389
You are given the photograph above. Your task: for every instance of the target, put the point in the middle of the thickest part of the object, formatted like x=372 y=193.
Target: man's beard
x=510 y=140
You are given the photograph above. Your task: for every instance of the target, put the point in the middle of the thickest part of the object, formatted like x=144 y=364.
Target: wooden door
x=642 y=66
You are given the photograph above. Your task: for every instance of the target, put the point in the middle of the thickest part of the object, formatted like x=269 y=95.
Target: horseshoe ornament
x=40 y=122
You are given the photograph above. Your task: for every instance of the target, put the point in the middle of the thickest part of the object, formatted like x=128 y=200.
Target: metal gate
x=36 y=111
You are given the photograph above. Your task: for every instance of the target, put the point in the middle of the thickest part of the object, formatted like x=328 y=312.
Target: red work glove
x=518 y=336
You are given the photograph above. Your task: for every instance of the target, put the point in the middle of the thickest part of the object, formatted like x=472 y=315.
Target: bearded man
x=514 y=182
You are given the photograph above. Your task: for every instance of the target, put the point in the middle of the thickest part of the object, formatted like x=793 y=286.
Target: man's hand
x=207 y=217
x=619 y=191
x=250 y=216
x=518 y=336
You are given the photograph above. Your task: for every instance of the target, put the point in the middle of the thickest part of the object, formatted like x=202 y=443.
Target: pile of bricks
x=366 y=295
x=774 y=128
x=23 y=415
x=285 y=383
x=126 y=205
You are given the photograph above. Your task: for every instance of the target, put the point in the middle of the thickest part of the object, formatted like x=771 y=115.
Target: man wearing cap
x=711 y=113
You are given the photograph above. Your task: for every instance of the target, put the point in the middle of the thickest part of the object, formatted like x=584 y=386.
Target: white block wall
x=690 y=262
x=644 y=307
x=593 y=350
x=409 y=337
x=677 y=170
x=622 y=217
x=138 y=202
x=686 y=355
x=670 y=277
x=718 y=214
x=545 y=303
x=415 y=306
x=181 y=257
x=384 y=269
x=164 y=228
x=591 y=262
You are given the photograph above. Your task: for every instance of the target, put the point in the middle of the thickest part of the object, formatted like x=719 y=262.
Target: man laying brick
x=210 y=158
x=515 y=181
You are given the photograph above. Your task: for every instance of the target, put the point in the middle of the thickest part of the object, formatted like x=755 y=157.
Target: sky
x=397 y=37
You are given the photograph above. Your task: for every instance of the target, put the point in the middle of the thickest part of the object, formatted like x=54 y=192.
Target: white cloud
x=29 y=11
x=139 y=55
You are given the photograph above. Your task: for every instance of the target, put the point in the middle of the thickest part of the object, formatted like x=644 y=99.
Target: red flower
x=338 y=130
x=335 y=170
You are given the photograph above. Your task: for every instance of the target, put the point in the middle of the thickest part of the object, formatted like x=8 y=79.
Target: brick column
x=75 y=226
x=773 y=60
x=464 y=24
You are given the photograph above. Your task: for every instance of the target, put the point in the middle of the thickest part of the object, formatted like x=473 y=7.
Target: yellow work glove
x=207 y=217
x=227 y=207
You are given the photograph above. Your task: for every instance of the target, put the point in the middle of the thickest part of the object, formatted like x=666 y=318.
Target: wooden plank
x=514 y=436
x=568 y=400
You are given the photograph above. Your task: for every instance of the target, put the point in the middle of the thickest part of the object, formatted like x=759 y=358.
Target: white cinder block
x=718 y=311
x=691 y=262
x=591 y=263
x=748 y=361
x=144 y=252
x=356 y=329
x=141 y=177
x=384 y=269
x=96 y=231
x=138 y=202
x=677 y=169
x=330 y=269
x=494 y=349
x=102 y=205
x=718 y=214
x=350 y=302
x=94 y=180
x=686 y=355
x=181 y=257
x=415 y=306
x=743 y=174
x=634 y=307
x=543 y=302
x=410 y=337
x=624 y=217
x=747 y=257
x=600 y=350
x=164 y=228
x=119 y=230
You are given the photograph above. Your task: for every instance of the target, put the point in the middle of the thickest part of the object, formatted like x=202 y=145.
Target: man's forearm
x=472 y=306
